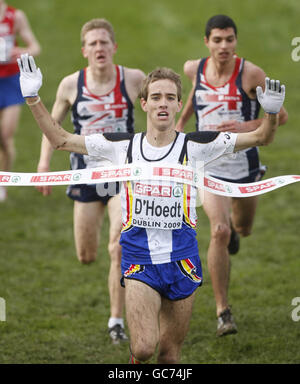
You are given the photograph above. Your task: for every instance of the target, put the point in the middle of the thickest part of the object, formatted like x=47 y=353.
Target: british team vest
x=111 y=112
x=213 y=105
x=7 y=42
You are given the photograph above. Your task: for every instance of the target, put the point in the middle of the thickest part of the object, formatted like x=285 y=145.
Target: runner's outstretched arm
x=31 y=80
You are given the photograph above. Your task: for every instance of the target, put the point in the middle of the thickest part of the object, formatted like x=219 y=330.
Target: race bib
x=158 y=206
x=6 y=46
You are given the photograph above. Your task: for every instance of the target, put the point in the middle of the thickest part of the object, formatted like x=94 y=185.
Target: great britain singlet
x=7 y=42
x=145 y=238
x=111 y=112
x=213 y=105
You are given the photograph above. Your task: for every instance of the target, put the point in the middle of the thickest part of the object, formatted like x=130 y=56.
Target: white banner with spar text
x=133 y=172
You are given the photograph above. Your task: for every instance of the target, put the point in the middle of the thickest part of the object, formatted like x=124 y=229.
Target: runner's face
x=162 y=104
x=98 y=48
x=221 y=44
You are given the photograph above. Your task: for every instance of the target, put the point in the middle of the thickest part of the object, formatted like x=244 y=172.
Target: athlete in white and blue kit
x=161 y=267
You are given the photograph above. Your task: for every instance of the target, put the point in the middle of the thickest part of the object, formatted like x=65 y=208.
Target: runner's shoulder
x=190 y=68
x=69 y=82
x=253 y=71
x=134 y=75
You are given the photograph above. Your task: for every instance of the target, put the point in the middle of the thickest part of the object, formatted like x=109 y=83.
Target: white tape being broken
x=130 y=172
x=224 y=188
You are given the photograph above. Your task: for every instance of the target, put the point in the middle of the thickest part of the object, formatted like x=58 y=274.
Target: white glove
x=31 y=78
x=272 y=99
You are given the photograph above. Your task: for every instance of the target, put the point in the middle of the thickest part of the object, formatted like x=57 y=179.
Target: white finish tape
x=167 y=172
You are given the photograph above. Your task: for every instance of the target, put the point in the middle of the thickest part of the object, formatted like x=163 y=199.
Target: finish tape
x=130 y=172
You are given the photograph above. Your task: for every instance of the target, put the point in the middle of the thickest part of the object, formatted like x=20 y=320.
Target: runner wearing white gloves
x=161 y=267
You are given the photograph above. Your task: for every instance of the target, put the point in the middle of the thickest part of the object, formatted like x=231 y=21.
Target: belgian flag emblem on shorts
x=189 y=270
x=134 y=268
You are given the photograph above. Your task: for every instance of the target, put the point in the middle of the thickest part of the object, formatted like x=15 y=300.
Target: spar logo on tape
x=214 y=185
x=51 y=178
x=258 y=187
x=173 y=173
x=77 y=176
x=111 y=173
x=16 y=179
x=8 y=178
x=4 y=178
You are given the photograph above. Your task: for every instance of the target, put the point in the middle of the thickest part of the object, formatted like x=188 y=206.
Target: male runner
x=223 y=98
x=161 y=267
x=101 y=98
x=13 y=24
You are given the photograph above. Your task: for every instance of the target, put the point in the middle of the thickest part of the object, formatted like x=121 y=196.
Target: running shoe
x=226 y=324
x=117 y=334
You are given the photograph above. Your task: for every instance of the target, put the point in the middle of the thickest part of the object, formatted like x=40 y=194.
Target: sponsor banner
x=146 y=172
x=224 y=188
x=152 y=190
x=169 y=172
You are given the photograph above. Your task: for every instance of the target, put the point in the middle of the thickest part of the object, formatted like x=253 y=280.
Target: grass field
x=57 y=309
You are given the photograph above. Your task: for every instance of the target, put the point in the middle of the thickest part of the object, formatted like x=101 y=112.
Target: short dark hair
x=221 y=22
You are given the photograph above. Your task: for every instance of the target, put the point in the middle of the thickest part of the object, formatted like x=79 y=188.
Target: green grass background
x=57 y=309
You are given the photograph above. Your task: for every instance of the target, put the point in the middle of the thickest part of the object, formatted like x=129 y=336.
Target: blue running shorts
x=10 y=91
x=175 y=280
x=86 y=193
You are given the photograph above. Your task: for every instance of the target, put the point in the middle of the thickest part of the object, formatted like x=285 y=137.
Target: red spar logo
x=213 y=185
x=51 y=178
x=256 y=188
x=153 y=190
x=4 y=178
x=109 y=174
x=173 y=172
